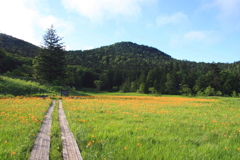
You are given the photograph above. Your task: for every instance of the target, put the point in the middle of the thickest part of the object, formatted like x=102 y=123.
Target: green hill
x=17 y=46
x=123 y=55
x=126 y=67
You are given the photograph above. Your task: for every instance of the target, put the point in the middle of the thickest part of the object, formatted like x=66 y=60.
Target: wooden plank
x=40 y=150
x=69 y=145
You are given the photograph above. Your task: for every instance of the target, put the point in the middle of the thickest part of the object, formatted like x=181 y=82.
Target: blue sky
x=196 y=30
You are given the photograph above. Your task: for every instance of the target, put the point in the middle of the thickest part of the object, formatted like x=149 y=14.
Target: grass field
x=135 y=127
x=20 y=122
x=127 y=127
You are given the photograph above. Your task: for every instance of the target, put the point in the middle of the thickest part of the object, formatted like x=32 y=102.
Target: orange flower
x=89 y=144
x=238 y=149
x=139 y=144
x=125 y=148
x=13 y=153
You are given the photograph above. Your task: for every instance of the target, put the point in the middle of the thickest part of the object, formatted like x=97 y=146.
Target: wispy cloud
x=98 y=10
x=198 y=36
x=208 y=37
x=228 y=7
x=63 y=26
x=228 y=12
x=175 y=18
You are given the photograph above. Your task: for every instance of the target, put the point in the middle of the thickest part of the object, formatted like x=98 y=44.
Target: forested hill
x=119 y=55
x=17 y=46
x=127 y=66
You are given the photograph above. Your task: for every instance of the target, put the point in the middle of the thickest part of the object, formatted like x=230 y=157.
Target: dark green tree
x=49 y=64
x=98 y=84
x=171 y=85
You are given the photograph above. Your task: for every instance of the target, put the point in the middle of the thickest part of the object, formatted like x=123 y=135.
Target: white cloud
x=195 y=35
x=228 y=12
x=22 y=19
x=88 y=48
x=175 y=18
x=208 y=37
x=98 y=10
x=17 y=19
x=228 y=7
x=63 y=26
x=201 y=37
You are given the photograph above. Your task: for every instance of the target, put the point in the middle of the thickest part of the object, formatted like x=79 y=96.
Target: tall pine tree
x=49 y=63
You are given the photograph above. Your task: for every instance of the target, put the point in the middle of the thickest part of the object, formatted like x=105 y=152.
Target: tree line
x=124 y=66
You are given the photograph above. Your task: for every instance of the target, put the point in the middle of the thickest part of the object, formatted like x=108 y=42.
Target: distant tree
x=126 y=86
x=98 y=84
x=2 y=56
x=213 y=76
x=49 y=63
x=209 y=91
x=185 y=90
x=171 y=85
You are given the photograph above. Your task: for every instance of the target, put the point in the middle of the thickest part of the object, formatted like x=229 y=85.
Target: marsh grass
x=133 y=127
x=20 y=122
x=56 y=142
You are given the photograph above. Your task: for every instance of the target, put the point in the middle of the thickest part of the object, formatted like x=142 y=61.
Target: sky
x=194 y=30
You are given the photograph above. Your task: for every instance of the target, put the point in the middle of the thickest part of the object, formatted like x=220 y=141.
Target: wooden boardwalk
x=40 y=150
x=70 y=148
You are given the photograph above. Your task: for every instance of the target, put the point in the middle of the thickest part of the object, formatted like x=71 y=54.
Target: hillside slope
x=10 y=62
x=118 y=55
x=17 y=46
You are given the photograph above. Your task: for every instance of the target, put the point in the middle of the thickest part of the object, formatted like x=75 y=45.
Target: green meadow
x=127 y=127
x=20 y=122
x=133 y=127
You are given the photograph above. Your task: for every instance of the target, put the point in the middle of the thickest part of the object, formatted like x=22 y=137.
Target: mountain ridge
x=26 y=49
x=121 y=54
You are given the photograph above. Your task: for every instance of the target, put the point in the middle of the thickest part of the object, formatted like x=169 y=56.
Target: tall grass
x=56 y=142
x=14 y=86
x=20 y=87
x=115 y=127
